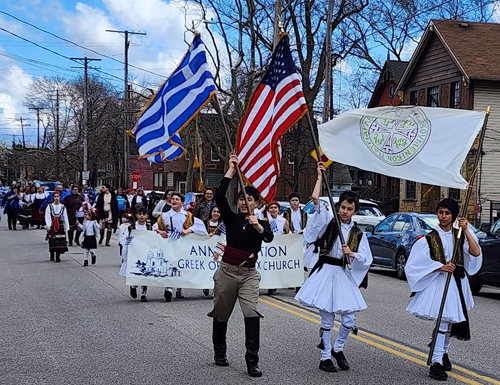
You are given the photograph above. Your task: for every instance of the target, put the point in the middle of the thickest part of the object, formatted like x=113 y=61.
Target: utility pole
x=327 y=98
x=57 y=134
x=85 y=174
x=277 y=21
x=37 y=109
x=126 y=105
x=20 y=120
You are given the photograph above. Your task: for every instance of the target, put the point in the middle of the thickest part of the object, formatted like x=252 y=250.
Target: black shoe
x=144 y=298
x=58 y=259
x=254 y=371
x=179 y=295
x=437 y=372
x=341 y=361
x=85 y=263
x=77 y=242
x=93 y=259
x=221 y=360
x=271 y=291
x=206 y=292
x=70 y=244
x=327 y=366
x=52 y=258
x=133 y=292
x=446 y=363
x=168 y=295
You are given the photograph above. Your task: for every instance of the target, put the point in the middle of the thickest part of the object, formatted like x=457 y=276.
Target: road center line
x=307 y=315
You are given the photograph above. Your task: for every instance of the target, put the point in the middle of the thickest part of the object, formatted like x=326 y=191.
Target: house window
x=213 y=155
x=454 y=193
x=170 y=179
x=182 y=186
x=414 y=98
x=158 y=179
x=455 y=95
x=410 y=190
x=433 y=96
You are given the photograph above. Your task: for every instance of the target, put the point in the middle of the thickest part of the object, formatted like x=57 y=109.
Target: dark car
x=392 y=239
x=490 y=270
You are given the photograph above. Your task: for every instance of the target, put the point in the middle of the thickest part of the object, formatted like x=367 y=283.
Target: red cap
x=274 y=203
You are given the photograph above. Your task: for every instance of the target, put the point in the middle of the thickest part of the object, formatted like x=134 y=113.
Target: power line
x=78 y=45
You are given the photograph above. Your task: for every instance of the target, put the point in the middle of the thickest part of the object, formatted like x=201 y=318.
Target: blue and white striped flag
x=222 y=227
x=175 y=104
x=274 y=226
x=174 y=234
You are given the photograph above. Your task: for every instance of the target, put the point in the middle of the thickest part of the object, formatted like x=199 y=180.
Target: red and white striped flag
x=277 y=104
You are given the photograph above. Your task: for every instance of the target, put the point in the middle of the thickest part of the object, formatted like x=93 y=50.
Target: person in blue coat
x=11 y=206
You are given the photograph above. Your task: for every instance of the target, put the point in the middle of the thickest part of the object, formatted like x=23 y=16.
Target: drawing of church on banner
x=155 y=265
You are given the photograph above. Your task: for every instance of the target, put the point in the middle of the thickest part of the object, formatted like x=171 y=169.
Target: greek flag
x=174 y=234
x=179 y=99
x=222 y=227
x=274 y=226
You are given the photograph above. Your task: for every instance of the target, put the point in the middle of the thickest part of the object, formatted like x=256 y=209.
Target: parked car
x=490 y=270
x=392 y=239
x=285 y=205
x=369 y=212
x=49 y=186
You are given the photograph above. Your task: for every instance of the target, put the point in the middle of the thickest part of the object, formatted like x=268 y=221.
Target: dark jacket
x=202 y=210
x=134 y=203
x=114 y=208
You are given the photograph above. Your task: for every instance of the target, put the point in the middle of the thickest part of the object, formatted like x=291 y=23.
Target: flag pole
x=326 y=185
x=228 y=141
x=463 y=213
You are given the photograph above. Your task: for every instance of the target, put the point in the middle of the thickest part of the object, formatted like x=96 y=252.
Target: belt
x=329 y=261
x=234 y=256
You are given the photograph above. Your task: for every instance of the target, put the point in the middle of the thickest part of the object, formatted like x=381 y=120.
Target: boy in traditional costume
x=176 y=223
x=236 y=277
x=296 y=217
x=427 y=268
x=333 y=286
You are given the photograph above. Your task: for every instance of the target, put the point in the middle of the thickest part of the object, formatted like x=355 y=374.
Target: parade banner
x=189 y=261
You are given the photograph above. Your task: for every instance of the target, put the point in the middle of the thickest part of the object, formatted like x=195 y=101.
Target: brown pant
x=234 y=282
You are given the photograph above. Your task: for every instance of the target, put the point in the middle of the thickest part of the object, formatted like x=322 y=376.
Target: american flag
x=179 y=99
x=277 y=104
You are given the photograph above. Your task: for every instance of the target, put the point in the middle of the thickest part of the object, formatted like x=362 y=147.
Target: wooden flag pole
x=465 y=205
x=228 y=141
x=326 y=185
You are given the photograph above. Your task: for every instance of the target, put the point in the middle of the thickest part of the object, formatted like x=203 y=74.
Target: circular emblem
x=396 y=136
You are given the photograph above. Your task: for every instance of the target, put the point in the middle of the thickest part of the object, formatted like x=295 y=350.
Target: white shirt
x=296 y=220
x=177 y=219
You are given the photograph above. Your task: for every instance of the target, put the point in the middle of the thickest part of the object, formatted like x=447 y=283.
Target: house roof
x=475 y=48
x=396 y=69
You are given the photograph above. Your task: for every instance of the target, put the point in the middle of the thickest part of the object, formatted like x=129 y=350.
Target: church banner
x=189 y=261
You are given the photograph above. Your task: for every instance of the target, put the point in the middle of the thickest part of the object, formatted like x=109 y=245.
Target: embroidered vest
x=132 y=227
x=327 y=240
x=303 y=219
x=187 y=223
x=437 y=249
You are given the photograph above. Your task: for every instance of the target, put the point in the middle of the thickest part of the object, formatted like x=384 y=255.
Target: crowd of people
x=337 y=270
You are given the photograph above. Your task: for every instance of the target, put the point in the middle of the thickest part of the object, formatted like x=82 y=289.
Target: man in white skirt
x=427 y=269
x=333 y=287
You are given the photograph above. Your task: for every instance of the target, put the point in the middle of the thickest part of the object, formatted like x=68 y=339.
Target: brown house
x=383 y=188
x=456 y=65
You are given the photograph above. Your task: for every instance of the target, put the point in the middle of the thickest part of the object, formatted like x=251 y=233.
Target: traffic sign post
x=135 y=177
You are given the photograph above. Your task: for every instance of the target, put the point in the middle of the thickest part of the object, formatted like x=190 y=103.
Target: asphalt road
x=61 y=323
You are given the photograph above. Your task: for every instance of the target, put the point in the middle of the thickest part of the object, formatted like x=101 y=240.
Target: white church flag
x=188 y=262
x=422 y=144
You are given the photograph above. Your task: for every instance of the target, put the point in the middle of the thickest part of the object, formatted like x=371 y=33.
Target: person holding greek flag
x=168 y=226
x=178 y=100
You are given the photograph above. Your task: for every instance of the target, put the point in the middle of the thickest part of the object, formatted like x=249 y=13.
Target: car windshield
x=428 y=222
x=370 y=211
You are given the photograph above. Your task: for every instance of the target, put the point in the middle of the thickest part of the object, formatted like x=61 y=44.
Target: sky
x=84 y=23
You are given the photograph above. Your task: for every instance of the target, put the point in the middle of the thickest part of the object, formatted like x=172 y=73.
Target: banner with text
x=189 y=261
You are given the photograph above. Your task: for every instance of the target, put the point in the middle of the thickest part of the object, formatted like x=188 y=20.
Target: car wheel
x=476 y=283
x=400 y=265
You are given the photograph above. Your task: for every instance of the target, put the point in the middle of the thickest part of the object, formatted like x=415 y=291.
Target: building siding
x=488 y=94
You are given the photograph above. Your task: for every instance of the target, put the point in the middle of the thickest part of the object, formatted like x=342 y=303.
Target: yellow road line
x=305 y=314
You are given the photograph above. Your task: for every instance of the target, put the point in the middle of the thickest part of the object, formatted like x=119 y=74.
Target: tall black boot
x=108 y=237
x=58 y=256
x=252 y=343
x=51 y=255
x=219 y=340
x=101 y=237
x=77 y=237
x=71 y=234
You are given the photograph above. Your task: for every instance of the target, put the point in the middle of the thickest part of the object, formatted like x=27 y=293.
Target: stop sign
x=135 y=176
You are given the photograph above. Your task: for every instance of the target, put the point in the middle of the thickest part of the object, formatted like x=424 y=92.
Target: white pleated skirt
x=426 y=303
x=332 y=290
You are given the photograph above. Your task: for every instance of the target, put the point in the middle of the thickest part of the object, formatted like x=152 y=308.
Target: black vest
x=437 y=250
